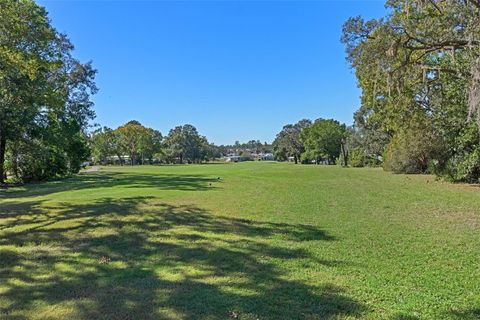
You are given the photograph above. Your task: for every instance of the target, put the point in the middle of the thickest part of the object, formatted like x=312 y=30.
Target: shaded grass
x=265 y=241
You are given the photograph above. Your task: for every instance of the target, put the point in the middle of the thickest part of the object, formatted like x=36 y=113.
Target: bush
x=419 y=150
x=412 y=149
x=463 y=169
x=357 y=158
x=373 y=161
x=308 y=156
x=34 y=159
x=463 y=165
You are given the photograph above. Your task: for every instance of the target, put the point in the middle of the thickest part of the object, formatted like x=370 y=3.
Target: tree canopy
x=44 y=96
x=184 y=143
x=419 y=71
x=139 y=143
x=320 y=141
x=144 y=145
x=323 y=140
x=288 y=142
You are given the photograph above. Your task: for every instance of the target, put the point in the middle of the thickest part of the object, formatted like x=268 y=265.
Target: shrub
x=463 y=165
x=464 y=168
x=411 y=150
x=34 y=160
x=357 y=158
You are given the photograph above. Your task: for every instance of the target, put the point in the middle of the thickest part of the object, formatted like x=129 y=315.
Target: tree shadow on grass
x=467 y=314
x=137 y=259
x=405 y=316
x=92 y=181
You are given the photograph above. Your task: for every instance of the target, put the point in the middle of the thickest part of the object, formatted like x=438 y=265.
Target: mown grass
x=244 y=241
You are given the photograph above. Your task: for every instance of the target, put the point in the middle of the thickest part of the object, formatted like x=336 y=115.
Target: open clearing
x=265 y=241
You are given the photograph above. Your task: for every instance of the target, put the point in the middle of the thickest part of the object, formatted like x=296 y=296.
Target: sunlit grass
x=246 y=241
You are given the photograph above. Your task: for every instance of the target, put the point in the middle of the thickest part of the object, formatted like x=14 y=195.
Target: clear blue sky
x=235 y=70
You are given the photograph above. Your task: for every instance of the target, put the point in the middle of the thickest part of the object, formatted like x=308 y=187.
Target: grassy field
x=240 y=241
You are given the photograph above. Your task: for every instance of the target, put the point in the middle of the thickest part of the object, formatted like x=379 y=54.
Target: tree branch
x=456 y=44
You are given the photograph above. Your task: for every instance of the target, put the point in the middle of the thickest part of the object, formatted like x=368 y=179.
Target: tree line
x=143 y=145
x=418 y=68
x=135 y=144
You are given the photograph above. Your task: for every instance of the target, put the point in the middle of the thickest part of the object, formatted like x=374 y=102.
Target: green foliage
x=252 y=146
x=132 y=137
x=418 y=62
x=309 y=156
x=323 y=140
x=151 y=144
x=141 y=144
x=44 y=96
x=357 y=158
x=104 y=143
x=366 y=135
x=288 y=142
x=411 y=149
x=464 y=165
x=59 y=151
x=183 y=143
x=280 y=153
x=146 y=145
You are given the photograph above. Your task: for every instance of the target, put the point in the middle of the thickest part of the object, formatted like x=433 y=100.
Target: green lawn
x=265 y=241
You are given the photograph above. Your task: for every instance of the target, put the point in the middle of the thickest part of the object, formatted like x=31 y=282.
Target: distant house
x=236 y=158
x=266 y=157
x=250 y=157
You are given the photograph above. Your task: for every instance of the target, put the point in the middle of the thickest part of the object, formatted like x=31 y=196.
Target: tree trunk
x=295 y=158
x=120 y=159
x=3 y=145
x=345 y=155
x=15 y=163
x=181 y=158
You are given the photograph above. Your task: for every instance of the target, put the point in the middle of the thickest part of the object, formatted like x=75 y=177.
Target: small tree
x=288 y=142
x=185 y=144
x=132 y=135
x=323 y=140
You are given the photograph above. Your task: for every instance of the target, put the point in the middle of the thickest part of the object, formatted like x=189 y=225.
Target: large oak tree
x=419 y=71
